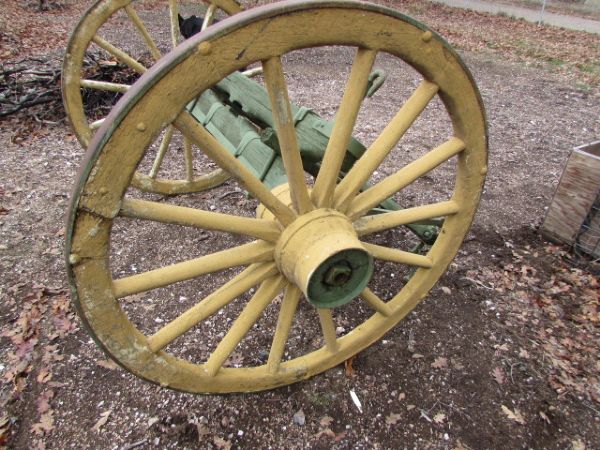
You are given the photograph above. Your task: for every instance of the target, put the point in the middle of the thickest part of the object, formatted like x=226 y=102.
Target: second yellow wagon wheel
x=136 y=37
x=301 y=286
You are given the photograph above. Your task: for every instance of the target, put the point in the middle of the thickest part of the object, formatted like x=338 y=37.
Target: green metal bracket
x=376 y=80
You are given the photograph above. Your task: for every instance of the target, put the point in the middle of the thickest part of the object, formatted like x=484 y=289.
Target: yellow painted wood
x=219 y=154
x=345 y=119
x=376 y=303
x=289 y=304
x=405 y=176
x=398 y=256
x=174 y=21
x=188 y=159
x=209 y=16
x=119 y=54
x=286 y=133
x=87 y=32
x=170 y=186
x=237 y=256
x=104 y=86
x=162 y=150
x=385 y=142
x=154 y=102
x=311 y=240
x=248 y=317
x=197 y=218
x=231 y=7
x=379 y=222
x=139 y=25
x=250 y=277
x=250 y=73
x=328 y=329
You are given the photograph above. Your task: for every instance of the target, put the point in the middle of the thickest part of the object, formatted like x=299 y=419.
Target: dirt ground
x=502 y=353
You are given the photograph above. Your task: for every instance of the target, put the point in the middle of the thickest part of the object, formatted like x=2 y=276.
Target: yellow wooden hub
x=321 y=254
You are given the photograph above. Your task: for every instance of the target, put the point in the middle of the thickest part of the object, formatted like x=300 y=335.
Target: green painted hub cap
x=340 y=278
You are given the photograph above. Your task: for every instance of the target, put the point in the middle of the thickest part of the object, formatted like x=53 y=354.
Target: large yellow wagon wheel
x=309 y=250
x=99 y=25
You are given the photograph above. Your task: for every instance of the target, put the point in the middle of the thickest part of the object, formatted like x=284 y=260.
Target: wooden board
x=574 y=199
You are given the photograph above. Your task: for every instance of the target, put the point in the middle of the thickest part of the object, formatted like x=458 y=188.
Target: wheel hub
x=321 y=254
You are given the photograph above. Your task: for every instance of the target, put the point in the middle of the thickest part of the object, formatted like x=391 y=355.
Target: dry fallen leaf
x=392 y=419
x=45 y=425
x=440 y=363
x=202 y=431
x=516 y=415
x=152 y=421
x=44 y=375
x=326 y=432
x=4 y=430
x=456 y=364
x=350 y=372
x=43 y=402
x=341 y=436
x=545 y=417
x=577 y=444
x=326 y=421
x=102 y=420
x=439 y=418
x=107 y=364
x=461 y=446
x=498 y=375
x=222 y=443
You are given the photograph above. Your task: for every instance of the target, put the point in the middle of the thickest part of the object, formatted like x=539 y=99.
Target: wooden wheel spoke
x=398 y=256
x=405 y=176
x=376 y=303
x=209 y=16
x=197 y=218
x=250 y=277
x=162 y=151
x=238 y=256
x=289 y=305
x=122 y=56
x=379 y=222
x=104 y=86
x=229 y=6
x=328 y=329
x=383 y=145
x=139 y=25
x=188 y=159
x=174 y=20
x=248 y=317
x=219 y=154
x=343 y=126
x=286 y=133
